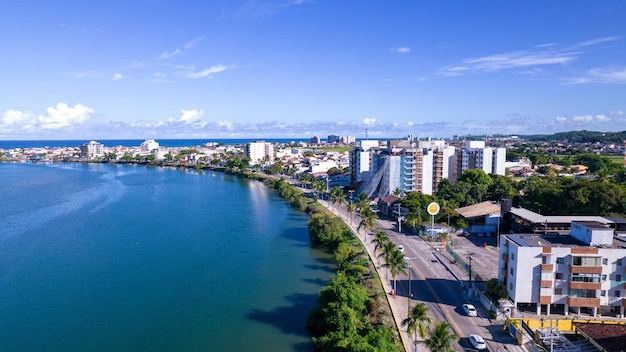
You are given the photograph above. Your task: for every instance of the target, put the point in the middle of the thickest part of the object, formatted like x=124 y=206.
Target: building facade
x=476 y=155
x=580 y=273
x=92 y=150
x=257 y=151
x=149 y=145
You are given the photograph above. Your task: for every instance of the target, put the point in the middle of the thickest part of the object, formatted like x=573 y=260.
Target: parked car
x=401 y=248
x=477 y=342
x=470 y=310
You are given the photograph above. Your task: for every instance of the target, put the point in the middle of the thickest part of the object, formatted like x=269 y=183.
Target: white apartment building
x=256 y=151
x=580 y=273
x=476 y=155
x=92 y=150
x=361 y=160
x=149 y=145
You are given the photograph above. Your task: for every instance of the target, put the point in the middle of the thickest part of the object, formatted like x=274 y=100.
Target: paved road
x=434 y=282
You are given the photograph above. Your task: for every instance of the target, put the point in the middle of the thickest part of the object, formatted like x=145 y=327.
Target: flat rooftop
x=555 y=240
x=534 y=240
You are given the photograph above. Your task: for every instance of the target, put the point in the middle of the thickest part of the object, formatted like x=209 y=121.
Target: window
x=558 y=291
x=603 y=277
x=602 y=293
x=544 y=259
x=618 y=293
x=619 y=262
x=511 y=286
x=558 y=276
x=512 y=271
x=578 y=277
x=618 y=277
x=586 y=261
x=512 y=256
x=560 y=260
x=605 y=261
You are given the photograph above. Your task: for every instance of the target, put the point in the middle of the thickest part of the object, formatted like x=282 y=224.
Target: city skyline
x=303 y=68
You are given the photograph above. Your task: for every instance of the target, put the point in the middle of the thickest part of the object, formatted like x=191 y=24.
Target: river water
x=97 y=257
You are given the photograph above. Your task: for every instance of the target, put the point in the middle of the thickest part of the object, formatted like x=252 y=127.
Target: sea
x=173 y=143
x=99 y=257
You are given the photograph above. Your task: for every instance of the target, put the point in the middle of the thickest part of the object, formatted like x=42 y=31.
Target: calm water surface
x=131 y=258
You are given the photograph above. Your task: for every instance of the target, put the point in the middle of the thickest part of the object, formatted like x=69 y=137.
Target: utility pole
x=399 y=219
x=470 y=273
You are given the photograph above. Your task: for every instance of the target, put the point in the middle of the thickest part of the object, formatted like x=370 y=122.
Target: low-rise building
x=581 y=273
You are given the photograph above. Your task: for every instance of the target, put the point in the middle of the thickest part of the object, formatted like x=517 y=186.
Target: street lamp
x=410 y=293
x=469 y=256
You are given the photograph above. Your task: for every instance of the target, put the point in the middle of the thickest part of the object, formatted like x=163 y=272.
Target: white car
x=477 y=342
x=470 y=310
x=401 y=248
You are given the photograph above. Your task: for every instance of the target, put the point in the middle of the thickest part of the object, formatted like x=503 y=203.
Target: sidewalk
x=399 y=305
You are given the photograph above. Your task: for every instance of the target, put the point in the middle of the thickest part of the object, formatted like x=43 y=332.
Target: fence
x=463 y=264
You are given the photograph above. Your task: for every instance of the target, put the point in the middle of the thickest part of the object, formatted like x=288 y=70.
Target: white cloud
x=597 y=41
x=369 y=121
x=118 y=76
x=226 y=124
x=617 y=112
x=58 y=117
x=16 y=117
x=401 y=50
x=583 y=119
x=190 y=116
x=192 y=43
x=167 y=55
x=65 y=116
x=539 y=55
x=602 y=75
x=207 y=72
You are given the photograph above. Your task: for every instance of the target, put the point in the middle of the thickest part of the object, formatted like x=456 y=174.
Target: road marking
x=449 y=319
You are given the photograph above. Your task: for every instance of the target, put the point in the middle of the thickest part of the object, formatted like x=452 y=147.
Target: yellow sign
x=433 y=208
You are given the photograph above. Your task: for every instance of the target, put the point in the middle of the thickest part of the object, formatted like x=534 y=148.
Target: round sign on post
x=433 y=208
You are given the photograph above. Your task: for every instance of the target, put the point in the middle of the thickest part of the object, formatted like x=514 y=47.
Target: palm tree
x=362 y=201
x=368 y=219
x=385 y=250
x=341 y=198
x=380 y=238
x=417 y=321
x=335 y=194
x=395 y=262
x=350 y=208
x=441 y=338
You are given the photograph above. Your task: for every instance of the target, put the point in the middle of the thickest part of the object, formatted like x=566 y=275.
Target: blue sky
x=299 y=68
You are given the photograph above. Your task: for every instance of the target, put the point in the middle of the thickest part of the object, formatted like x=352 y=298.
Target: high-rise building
x=476 y=155
x=333 y=139
x=361 y=160
x=406 y=167
x=257 y=151
x=92 y=150
x=149 y=145
x=315 y=140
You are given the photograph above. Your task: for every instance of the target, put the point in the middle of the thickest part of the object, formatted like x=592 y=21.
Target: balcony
x=545 y=299
x=545 y=283
x=584 y=285
x=547 y=267
x=583 y=302
x=505 y=257
x=585 y=269
x=504 y=272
